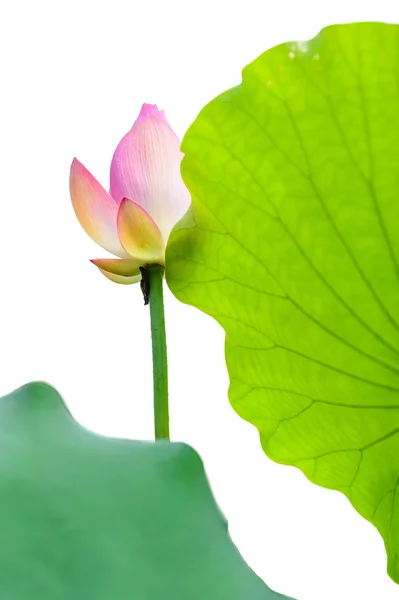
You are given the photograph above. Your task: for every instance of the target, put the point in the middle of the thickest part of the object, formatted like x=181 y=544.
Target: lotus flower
x=147 y=197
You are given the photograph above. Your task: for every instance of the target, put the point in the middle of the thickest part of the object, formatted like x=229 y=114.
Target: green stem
x=159 y=356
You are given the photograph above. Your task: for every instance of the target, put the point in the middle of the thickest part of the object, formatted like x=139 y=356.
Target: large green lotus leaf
x=292 y=244
x=86 y=517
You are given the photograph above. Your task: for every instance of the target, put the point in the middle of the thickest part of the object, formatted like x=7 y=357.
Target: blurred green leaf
x=292 y=244
x=86 y=517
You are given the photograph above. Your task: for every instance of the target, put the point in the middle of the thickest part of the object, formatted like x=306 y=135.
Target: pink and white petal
x=139 y=234
x=151 y=110
x=146 y=168
x=120 y=278
x=126 y=267
x=95 y=209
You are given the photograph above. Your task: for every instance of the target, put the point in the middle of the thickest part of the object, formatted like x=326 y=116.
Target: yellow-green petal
x=139 y=234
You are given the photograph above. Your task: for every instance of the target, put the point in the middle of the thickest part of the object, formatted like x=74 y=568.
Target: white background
x=73 y=77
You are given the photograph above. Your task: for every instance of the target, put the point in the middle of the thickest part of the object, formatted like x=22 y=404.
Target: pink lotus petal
x=151 y=110
x=126 y=267
x=139 y=234
x=146 y=169
x=94 y=208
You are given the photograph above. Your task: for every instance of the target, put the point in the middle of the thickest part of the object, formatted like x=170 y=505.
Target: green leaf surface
x=292 y=244
x=86 y=517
